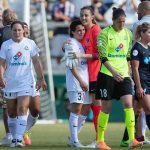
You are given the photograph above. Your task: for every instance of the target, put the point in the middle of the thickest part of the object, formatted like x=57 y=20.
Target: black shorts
x=92 y=87
x=107 y=88
x=145 y=84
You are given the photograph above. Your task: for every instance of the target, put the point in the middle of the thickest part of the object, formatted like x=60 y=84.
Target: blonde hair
x=9 y=16
x=141 y=28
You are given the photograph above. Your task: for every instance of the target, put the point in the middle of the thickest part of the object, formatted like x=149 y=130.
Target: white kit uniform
x=18 y=74
x=75 y=92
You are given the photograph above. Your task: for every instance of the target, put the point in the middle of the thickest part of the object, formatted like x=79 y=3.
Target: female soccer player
x=140 y=56
x=114 y=45
x=16 y=54
x=91 y=54
x=77 y=81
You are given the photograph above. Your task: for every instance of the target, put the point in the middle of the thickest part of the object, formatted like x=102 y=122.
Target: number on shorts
x=79 y=96
x=103 y=92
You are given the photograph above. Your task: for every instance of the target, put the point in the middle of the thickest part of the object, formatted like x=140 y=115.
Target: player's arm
x=102 y=48
x=2 y=70
x=135 y=61
x=93 y=55
x=76 y=74
x=39 y=71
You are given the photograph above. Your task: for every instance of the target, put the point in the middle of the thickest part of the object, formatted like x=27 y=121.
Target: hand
x=117 y=76
x=74 y=55
x=140 y=92
x=84 y=86
x=2 y=83
x=41 y=83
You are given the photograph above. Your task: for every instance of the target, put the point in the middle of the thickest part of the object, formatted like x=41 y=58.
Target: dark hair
x=17 y=22
x=73 y=26
x=117 y=12
x=141 y=28
x=91 y=9
x=25 y=24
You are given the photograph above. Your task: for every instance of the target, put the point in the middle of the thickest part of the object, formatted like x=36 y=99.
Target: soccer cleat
x=69 y=143
x=6 y=140
x=92 y=145
x=77 y=145
x=26 y=139
x=13 y=143
x=102 y=146
x=146 y=140
x=124 y=143
x=19 y=143
x=134 y=144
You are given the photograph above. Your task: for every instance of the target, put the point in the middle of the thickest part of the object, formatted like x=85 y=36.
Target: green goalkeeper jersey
x=115 y=47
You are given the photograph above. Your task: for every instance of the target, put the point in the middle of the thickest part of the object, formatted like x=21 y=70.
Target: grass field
x=54 y=137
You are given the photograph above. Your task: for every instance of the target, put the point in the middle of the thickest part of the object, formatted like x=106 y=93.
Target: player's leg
x=23 y=99
x=130 y=120
x=8 y=137
x=104 y=91
x=12 y=115
x=76 y=102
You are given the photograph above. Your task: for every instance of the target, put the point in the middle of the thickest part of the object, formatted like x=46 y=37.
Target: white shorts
x=79 y=97
x=14 y=95
x=35 y=93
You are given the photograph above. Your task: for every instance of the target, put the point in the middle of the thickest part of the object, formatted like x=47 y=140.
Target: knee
x=35 y=112
x=22 y=110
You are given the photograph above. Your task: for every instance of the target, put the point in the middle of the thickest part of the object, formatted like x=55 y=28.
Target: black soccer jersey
x=142 y=55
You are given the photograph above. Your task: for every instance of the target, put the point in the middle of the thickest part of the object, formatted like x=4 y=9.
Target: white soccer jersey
x=18 y=56
x=71 y=82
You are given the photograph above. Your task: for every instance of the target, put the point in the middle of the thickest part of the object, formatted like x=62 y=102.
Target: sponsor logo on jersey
x=147 y=60
x=118 y=48
x=17 y=58
x=116 y=55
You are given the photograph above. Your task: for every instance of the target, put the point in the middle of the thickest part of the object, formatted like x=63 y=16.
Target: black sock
x=125 y=135
x=148 y=121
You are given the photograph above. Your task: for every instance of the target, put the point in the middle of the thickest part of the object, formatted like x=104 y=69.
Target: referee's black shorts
x=107 y=88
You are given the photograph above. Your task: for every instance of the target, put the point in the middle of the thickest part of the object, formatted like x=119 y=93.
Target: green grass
x=54 y=137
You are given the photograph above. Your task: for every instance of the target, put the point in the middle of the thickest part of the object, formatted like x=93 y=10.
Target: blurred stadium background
x=50 y=34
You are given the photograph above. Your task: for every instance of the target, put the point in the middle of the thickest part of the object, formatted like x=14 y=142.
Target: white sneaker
x=146 y=140
x=6 y=140
x=92 y=145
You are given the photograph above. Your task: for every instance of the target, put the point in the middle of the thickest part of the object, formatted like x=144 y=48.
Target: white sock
x=73 y=124
x=81 y=122
x=143 y=123
x=21 y=126
x=12 y=126
x=31 y=121
x=9 y=135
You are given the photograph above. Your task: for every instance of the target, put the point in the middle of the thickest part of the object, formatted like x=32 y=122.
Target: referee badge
x=135 y=52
